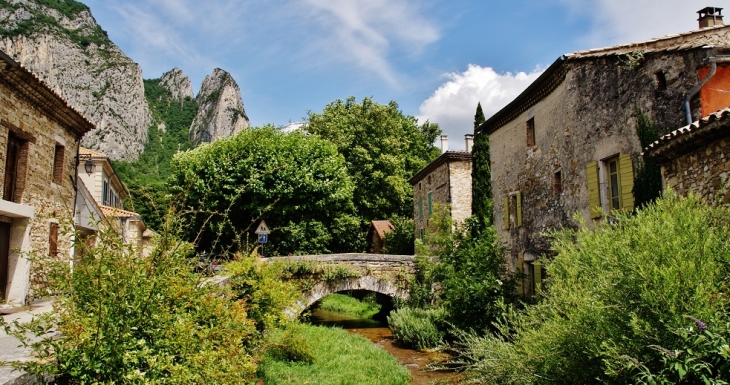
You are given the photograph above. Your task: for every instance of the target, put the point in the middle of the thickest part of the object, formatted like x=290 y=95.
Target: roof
x=690 y=137
x=149 y=233
x=710 y=37
x=382 y=227
x=109 y=211
x=462 y=156
x=38 y=92
x=94 y=154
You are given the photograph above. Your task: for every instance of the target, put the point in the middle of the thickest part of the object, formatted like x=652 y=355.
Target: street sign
x=262 y=229
x=263 y=238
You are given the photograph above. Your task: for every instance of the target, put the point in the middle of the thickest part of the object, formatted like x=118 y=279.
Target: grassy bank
x=340 y=358
x=345 y=304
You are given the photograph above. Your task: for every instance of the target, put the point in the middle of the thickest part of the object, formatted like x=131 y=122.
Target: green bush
x=126 y=317
x=291 y=346
x=418 y=328
x=616 y=294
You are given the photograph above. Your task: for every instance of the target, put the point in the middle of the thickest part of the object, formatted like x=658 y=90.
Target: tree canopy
x=297 y=183
x=382 y=148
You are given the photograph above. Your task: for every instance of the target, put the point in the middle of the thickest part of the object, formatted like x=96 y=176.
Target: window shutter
x=537 y=268
x=626 y=170
x=518 y=211
x=430 y=204
x=505 y=213
x=594 y=197
x=520 y=277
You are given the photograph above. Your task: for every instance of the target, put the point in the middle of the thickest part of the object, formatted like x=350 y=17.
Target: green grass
x=341 y=358
x=345 y=304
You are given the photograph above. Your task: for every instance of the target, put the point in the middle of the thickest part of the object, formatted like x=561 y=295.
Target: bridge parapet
x=392 y=267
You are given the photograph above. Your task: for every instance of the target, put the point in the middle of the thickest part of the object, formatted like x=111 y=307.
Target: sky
x=436 y=58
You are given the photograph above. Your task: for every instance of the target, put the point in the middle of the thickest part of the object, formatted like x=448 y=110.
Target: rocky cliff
x=62 y=43
x=220 y=111
x=178 y=84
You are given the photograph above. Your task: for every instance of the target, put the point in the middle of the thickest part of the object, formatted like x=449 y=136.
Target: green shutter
x=505 y=213
x=537 y=269
x=520 y=278
x=519 y=209
x=430 y=204
x=420 y=208
x=594 y=197
x=626 y=171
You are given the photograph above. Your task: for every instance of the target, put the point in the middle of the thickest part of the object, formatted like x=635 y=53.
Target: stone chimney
x=444 y=143
x=469 y=139
x=710 y=17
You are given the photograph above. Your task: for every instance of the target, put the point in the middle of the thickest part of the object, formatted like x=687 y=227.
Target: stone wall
x=703 y=171
x=460 y=190
x=50 y=202
x=391 y=267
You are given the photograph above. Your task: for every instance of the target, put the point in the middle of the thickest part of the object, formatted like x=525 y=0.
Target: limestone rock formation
x=220 y=113
x=178 y=84
x=62 y=44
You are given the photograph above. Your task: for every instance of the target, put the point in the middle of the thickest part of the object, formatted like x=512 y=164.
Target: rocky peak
x=220 y=112
x=178 y=84
x=62 y=44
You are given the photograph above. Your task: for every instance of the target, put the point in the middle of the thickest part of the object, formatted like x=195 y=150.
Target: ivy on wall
x=648 y=177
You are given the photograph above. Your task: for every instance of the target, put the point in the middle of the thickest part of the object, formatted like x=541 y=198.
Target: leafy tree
x=382 y=148
x=400 y=240
x=297 y=183
x=648 y=179
x=481 y=175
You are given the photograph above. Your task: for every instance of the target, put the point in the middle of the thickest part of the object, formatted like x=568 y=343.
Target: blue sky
x=436 y=58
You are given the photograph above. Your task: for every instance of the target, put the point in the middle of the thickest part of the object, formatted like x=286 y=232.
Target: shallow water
x=378 y=332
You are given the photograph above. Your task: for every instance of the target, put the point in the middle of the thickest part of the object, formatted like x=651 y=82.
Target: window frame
x=58 y=158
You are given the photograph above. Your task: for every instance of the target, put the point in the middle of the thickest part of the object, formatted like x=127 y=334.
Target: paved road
x=9 y=350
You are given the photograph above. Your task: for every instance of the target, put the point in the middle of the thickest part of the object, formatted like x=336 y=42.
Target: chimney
x=469 y=139
x=444 y=143
x=710 y=17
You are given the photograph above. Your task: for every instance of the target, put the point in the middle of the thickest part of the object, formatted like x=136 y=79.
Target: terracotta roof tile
x=382 y=227
x=88 y=151
x=119 y=213
x=684 y=133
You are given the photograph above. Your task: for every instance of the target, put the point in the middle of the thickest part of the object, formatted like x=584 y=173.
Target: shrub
x=615 y=294
x=418 y=328
x=291 y=346
x=126 y=317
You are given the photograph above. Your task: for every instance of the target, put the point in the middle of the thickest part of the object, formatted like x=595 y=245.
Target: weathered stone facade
x=445 y=182
x=696 y=158
x=568 y=144
x=41 y=132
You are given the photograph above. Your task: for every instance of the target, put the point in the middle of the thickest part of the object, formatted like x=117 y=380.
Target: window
x=530 y=128
x=512 y=211
x=557 y=183
x=430 y=203
x=661 y=81
x=105 y=193
x=53 y=240
x=15 y=165
x=428 y=179
x=58 y=164
x=537 y=274
x=422 y=235
x=610 y=185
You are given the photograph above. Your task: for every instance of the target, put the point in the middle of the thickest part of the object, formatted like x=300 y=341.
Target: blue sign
x=263 y=238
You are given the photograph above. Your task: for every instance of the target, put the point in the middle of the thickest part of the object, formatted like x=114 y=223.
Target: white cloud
x=367 y=32
x=454 y=103
x=626 y=21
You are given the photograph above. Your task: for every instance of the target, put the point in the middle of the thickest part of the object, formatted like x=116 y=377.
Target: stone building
x=376 y=235
x=39 y=140
x=568 y=145
x=445 y=182
x=696 y=158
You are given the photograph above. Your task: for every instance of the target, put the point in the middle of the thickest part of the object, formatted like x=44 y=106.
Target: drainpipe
x=713 y=60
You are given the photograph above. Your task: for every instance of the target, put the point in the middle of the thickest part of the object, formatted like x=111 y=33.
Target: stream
x=378 y=332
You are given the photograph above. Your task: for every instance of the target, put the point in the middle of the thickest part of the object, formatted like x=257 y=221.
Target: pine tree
x=481 y=204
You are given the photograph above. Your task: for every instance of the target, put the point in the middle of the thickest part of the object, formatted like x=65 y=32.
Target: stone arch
x=323 y=289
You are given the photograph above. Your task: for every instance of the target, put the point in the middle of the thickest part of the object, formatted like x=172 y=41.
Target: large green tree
x=383 y=148
x=297 y=183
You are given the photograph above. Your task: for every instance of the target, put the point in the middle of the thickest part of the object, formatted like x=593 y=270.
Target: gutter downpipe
x=713 y=60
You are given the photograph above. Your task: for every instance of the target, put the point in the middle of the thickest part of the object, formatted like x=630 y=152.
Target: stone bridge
x=380 y=273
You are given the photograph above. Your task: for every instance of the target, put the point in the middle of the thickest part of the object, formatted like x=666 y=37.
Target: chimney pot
x=710 y=17
x=444 y=143
x=469 y=139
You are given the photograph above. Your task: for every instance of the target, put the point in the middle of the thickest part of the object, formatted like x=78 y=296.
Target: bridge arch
x=368 y=282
